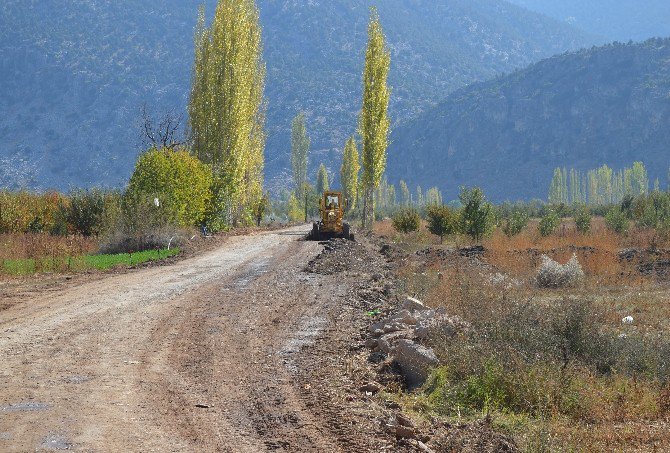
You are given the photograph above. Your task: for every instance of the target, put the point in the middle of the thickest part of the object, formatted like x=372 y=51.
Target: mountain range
x=617 y=20
x=74 y=74
x=605 y=105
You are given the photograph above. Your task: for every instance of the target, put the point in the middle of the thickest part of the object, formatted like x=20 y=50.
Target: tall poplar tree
x=322 y=182
x=349 y=173
x=374 y=122
x=227 y=108
x=405 y=197
x=299 y=154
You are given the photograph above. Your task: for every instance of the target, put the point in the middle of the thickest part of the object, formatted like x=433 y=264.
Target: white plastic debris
x=157 y=202
x=627 y=320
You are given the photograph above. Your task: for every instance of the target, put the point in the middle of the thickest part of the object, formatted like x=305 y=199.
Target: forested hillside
x=615 y=19
x=608 y=105
x=75 y=74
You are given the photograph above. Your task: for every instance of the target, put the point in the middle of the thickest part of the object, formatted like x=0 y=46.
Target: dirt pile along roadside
x=374 y=373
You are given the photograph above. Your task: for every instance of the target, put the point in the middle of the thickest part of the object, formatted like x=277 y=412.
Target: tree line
x=600 y=186
x=362 y=168
x=226 y=120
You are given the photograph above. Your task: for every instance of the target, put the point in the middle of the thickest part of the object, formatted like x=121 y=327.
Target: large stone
x=411 y=304
x=387 y=342
x=415 y=361
x=395 y=326
x=405 y=317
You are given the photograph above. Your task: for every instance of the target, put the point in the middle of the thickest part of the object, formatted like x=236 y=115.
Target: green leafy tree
x=374 y=123
x=549 y=223
x=515 y=223
x=294 y=209
x=616 y=220
x=174 y=184
x=262 y=206
x=442 y=221
x=405 y=197
x=420 y=201
x=322 y=182
x=85 y=212
x=433 y=197
x=349 y=173
x=583 y=219
x=226 y=107
x=477 y=219
x=406 y=220
x=558 y=190
x=299 y=153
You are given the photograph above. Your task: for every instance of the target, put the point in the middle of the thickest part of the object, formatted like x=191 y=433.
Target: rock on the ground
x=415 y=361
x=388 y=342
x=371 y=387
x=411 y=304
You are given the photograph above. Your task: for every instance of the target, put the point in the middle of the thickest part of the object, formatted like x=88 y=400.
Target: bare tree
x=166 y=133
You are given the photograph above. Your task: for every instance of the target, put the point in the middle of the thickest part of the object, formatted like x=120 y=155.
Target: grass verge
x=23 y=267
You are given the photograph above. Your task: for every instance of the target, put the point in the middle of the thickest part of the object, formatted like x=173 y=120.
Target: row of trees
x=81 y=212
x=476 y=217
x=600 y=186
x=373 y=128
x=388 y=199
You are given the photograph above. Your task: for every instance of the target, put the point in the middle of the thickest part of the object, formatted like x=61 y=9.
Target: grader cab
x=331 y=225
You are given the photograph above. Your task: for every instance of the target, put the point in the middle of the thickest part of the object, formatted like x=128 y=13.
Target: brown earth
x=237 y=349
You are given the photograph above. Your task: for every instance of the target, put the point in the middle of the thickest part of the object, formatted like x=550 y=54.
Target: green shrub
x=583 y=219
x=477 y=218
x=515 y=223
x=549 y=223
x=172 y=186
x=616 y=220
x=406 y=220
x=84 y=213
x=442 y=221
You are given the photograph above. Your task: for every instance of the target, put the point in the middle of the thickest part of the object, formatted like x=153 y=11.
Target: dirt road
x=201 y=355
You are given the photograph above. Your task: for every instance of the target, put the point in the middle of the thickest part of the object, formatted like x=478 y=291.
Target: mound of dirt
x=342 y=255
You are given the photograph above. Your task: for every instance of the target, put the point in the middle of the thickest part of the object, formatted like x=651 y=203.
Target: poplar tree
x=404 y=194
x=374 y=122
x=557 y=188
x=226 y=106
x=349 y=173
x=299 y=153
x=419 y=196
x=322 y=183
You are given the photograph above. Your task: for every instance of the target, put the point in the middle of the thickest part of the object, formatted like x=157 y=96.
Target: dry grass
x=597 y=252
x=414 y=241
x=546 y=404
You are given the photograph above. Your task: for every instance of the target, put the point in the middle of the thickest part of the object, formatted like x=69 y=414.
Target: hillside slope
x=74 y=74
x=604 y=105
x=621 y=20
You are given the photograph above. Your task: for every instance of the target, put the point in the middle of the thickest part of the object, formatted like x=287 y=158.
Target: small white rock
x=411 y=304
x=627 y=320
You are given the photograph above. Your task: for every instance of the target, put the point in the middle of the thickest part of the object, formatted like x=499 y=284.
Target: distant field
x=30 y=266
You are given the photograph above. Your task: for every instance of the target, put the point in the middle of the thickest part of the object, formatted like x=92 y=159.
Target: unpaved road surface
x=212 y=353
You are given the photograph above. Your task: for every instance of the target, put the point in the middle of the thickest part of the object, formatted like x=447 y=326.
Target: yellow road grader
x=331 y=225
